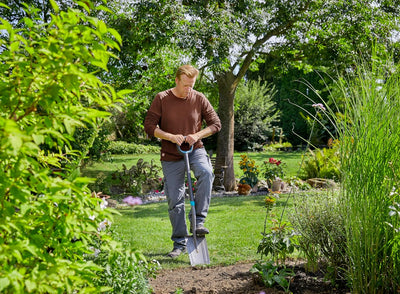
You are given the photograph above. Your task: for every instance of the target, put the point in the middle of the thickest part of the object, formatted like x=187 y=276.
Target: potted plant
x=273 y=172
x=249 y=179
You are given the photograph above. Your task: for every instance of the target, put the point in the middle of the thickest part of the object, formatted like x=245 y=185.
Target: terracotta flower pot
x=244 y=189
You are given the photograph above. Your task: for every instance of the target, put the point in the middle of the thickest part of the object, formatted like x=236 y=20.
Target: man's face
x=184 y=85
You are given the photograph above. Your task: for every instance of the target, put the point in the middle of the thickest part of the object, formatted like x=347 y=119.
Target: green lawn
x=290 y=159
x=235 y=224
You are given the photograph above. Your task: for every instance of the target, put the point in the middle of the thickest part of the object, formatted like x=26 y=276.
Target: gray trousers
x=174 y=188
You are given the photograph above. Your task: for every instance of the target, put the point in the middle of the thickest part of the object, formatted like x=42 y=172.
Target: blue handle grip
x=184 y=152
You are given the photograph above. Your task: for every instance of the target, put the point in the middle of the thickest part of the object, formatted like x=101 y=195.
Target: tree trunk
x=225 y=142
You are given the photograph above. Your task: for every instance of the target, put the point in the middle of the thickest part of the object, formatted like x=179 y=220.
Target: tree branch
x=248 y=57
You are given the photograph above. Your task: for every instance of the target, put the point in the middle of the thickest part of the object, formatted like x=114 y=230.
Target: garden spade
x=196 y=245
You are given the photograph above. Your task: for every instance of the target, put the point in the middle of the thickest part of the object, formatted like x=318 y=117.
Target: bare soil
x=237 y=279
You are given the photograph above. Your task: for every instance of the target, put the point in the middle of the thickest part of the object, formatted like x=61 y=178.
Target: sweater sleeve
x=211 y=117
x=153 y=117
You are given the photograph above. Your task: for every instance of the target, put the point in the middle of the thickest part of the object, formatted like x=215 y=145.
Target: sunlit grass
x=235 y=224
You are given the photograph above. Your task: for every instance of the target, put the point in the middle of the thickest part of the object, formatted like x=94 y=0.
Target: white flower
x=103 y=225
x=104 y=203
x=92 y=217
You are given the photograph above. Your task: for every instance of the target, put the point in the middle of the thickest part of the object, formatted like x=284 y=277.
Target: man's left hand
x=191 y=139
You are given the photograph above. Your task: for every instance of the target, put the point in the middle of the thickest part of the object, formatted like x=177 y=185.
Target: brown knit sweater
x=179 y=116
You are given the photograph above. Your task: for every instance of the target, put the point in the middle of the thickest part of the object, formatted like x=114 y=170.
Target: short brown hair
x=187 y=70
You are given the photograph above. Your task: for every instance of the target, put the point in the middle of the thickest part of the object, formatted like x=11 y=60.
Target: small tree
x=254 y=114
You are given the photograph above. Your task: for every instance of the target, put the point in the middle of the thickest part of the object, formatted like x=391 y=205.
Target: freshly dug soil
x=236 y=279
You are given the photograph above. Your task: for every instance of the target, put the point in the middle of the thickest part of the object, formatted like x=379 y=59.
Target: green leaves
x=48 y=218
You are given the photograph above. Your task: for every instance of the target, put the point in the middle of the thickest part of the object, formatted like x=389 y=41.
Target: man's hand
x=177 y=139
x=191 y=139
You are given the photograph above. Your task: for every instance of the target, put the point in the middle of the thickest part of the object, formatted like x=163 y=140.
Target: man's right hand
x=177 y=139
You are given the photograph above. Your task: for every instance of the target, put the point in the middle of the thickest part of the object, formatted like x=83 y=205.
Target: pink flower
x=133 y=200
x=274 y=161
x=319 y=106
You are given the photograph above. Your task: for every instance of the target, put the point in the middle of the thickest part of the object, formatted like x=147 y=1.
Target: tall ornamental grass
x=369 y=134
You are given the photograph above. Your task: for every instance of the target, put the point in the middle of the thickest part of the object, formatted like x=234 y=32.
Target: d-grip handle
x=184 y=151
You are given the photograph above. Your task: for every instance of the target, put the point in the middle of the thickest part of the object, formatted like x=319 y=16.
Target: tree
x=255 y=112
x=227 y=38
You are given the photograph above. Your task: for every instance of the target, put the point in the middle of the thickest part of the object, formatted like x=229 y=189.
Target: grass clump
x=369 y=133
x=366 y=117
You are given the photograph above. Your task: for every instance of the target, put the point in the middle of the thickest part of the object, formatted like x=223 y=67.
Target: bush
x=128 y=123
x=322 y=163
x=125 y=271
x=140 y=178
x=95 y=149
x=254 y=114
x=49 y=220
x=121 y=147
x=320 y=224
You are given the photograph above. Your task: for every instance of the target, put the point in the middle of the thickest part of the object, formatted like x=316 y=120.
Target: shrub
x=121 y=147
x=125 y=271
x=254 y=114
x=128 y=123
x=140 y=178
x=318 y=221
x=48 y=219
x=95 y=149
x=322 y=163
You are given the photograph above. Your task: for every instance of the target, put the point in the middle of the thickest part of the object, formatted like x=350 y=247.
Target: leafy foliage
x=322 y=163
x=322 y=236
x=250 y=171
x=272 y=274
x=278 y=242
x=83 y=141
x=49 y=220
x=124 y=272
x=272 y=169
x=140 y=178
x=121 y=147
x=254 y=114
x=278 y=239
x=278 y=246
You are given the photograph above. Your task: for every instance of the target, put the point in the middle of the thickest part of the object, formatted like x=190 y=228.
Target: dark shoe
x=176 y=252
x=201 y=230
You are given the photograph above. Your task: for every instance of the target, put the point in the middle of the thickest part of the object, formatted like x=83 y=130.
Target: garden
x=306 y=162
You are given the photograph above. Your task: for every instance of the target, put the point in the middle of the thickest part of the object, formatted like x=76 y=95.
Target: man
x=176 y=116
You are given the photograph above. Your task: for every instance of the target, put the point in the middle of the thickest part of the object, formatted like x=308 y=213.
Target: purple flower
x=133 y=200
x=319 y=106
